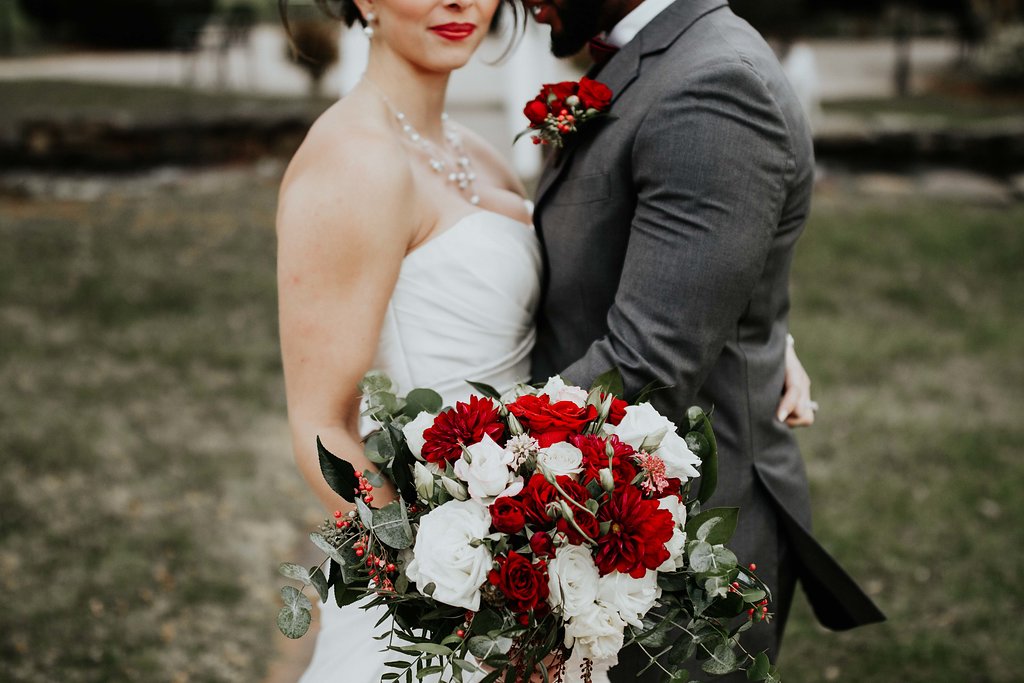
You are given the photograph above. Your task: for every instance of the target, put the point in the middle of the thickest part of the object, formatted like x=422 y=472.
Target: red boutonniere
x=560 y=109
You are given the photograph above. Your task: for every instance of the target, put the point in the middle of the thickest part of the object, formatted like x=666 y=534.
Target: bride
x=404 y=244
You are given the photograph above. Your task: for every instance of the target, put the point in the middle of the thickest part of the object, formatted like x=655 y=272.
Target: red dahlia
x=636 y=537
x=465 y=424
x=595 y=458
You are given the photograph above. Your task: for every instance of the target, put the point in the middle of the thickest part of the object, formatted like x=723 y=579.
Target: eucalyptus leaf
x=319 y=581
x=323 y=544
x=365 y=513
x=379 y=449
x=721 y=531
x=294 y=623
x=423 y=401
x=723 y=660
x=294 y=571
x=295 y=617
x=701 y=556
x=391 y=525
x=758 y=671
x=483 y=647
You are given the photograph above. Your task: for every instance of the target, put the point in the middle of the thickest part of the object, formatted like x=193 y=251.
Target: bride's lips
x=454 y=31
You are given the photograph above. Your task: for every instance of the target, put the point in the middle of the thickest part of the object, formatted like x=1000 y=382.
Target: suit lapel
x=624 y=67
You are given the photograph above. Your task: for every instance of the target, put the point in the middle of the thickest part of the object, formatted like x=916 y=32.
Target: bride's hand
x=796 y=408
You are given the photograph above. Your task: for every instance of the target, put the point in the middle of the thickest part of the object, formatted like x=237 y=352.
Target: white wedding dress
x=463 y=309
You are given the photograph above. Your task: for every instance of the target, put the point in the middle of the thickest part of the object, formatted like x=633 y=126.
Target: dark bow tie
x=601 y=51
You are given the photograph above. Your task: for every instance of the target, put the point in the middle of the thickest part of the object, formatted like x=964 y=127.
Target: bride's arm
x=343 y=226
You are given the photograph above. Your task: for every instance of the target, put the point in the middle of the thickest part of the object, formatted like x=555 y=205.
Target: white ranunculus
x=598 y=633
x=680 y=461
x=642 y=423
x=486 y=469
x=676 y=545
x=633 y=598
x=444 y=555
x=572 y=580
x=414 y=432
x=557 y=390
x=560 y=459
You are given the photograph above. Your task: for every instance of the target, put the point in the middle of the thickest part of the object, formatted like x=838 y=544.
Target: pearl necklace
x=460 y=173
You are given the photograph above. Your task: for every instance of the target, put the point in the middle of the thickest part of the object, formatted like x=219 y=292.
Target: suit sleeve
x=711 y=164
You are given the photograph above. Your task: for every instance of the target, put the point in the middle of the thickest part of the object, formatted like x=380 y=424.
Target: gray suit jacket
x=668 y=231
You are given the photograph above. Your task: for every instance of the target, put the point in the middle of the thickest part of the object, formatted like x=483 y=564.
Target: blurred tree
x=119 y=23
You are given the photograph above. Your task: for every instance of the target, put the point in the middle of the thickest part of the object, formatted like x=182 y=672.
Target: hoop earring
x=368 y=29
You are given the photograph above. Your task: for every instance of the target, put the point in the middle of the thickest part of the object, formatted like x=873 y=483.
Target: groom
x=668 y=231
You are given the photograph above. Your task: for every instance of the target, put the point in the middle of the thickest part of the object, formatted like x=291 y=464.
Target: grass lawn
x=147 y=492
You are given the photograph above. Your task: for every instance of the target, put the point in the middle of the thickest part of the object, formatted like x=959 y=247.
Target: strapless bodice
x=463 y=308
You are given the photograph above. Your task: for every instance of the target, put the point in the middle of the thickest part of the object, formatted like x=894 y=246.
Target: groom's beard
x=580 y=21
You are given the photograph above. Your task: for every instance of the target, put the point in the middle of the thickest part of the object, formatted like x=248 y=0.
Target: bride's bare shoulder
x=350 y=172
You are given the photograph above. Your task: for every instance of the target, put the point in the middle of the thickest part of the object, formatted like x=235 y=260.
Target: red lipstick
x=454 y=31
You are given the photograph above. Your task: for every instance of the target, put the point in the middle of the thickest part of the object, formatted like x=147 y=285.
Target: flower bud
x=566 y=510
x=515 y=427
x=607 y=480
x=455 y=489
x=424 y=481
x=572 y=100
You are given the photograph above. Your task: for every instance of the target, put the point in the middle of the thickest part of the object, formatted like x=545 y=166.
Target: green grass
x=147 y=492
x=908 y=318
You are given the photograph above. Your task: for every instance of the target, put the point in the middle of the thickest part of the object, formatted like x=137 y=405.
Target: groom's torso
x=586 y=203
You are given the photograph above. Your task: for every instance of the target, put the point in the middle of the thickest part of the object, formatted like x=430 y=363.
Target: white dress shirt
x=634 y=22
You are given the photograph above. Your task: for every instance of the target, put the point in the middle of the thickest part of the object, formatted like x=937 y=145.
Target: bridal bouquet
x=531 y=526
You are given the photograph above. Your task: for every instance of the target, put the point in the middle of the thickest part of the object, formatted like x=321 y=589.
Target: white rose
x=632 y=598
x=561 y=458
x=642 y=423
x=572 y=580
x=443 y=554
x=598 y=633
x=557 y=390
x=414 y=432
x=676 y=545
x=680 y=461
x=486 y=469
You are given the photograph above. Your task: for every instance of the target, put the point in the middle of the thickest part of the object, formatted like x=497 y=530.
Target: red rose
x=637 y=534
x=508 y=515
x=595 y=458
x=536 y=111
x=465 y=424
x=554 y=94
x=618 y=410
x=524 y=584
x=550 y=423
x=594 y=94
x=535 y=497
x=541 y=545
x=585 y=521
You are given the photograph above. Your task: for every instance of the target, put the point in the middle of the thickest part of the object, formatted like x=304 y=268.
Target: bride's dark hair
x=346 y=11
